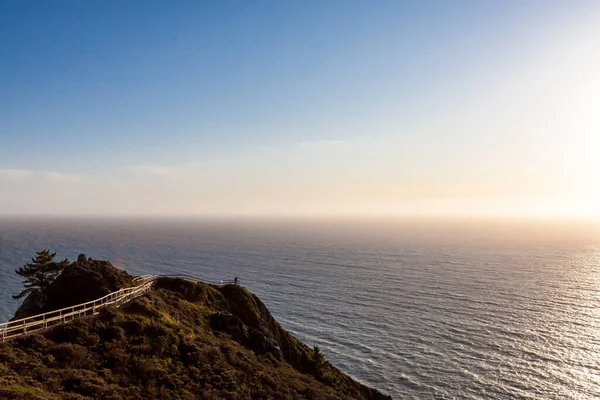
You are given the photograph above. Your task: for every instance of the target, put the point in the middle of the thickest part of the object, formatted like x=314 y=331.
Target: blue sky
x=337 y=107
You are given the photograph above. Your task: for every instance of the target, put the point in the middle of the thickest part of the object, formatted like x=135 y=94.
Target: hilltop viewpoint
x=180 y=340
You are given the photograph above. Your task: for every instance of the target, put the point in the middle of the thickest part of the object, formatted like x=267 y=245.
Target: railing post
x=77 y=311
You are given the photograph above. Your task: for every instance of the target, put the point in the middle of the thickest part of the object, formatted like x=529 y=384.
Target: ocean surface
x=417 y=309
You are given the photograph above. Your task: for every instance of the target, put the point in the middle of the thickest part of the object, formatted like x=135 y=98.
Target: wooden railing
x=24 y=326
x=194 y=279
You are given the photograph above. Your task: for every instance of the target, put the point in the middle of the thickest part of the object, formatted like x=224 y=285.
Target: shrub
x=112 y=333
x=68 y=355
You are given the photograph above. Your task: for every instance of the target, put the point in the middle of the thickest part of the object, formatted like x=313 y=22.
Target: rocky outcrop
x=230 y=324
x=31 y=305
x=83 y=280
x=243 y=316
x=254 y=339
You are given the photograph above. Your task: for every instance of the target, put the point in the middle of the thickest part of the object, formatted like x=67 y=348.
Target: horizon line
x=309 y=216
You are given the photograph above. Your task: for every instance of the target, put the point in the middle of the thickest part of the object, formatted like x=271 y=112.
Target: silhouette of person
x=235 y=280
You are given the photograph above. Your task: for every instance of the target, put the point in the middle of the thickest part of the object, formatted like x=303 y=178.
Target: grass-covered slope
x=182 y=340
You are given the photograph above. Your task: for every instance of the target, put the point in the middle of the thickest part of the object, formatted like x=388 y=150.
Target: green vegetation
x=78 y=282
x=40 y=273
x=182 y=340
x=318 y=360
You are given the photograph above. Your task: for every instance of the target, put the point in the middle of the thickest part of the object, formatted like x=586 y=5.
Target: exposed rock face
x=83 y=280
x=230 y=324
x=255 y=340
x=30 y=306
x=262 y=344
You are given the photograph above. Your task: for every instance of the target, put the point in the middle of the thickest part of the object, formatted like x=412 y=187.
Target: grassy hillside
x=182 y=340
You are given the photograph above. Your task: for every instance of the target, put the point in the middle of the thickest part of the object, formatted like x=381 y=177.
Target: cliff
x=182 y=340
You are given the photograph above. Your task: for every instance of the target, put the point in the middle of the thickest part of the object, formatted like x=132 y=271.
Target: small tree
x=40 y=273
x=318 y=359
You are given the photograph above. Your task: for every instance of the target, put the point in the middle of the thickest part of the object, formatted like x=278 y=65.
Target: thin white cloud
x=19 y=175
x=261 y=147
x=322 y=143
x=14 y=175
x=59 y=177
x=156 y=170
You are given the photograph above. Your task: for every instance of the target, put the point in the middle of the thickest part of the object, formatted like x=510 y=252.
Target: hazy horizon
x=462 y=109
x=408 y=217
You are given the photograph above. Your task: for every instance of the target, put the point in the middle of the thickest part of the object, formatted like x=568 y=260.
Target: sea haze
x=417 y=309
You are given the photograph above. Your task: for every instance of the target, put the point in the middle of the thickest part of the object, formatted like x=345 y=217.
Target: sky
x=300 y=107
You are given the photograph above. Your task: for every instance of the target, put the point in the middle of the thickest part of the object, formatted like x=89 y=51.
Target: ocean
x=418 y=309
